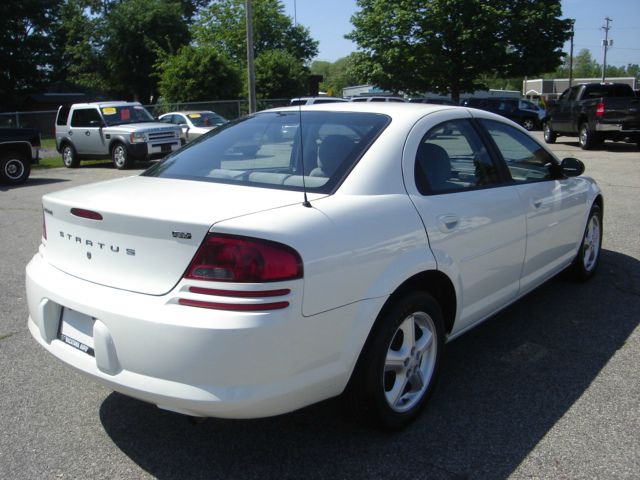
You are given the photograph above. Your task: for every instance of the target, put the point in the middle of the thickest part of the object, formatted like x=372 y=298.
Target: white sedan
x=249 y=275
x=194 y=123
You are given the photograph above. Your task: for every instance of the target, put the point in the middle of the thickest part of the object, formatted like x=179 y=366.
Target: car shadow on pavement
x=605 y=147
x=503 y=387
x=32 y=182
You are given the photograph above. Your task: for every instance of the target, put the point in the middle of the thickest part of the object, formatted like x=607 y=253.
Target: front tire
x=398 y=367
x=14 y=168
x=528 y=124
x=549 y=135
x=120 y=156
x=70 y=156
x=586 y=262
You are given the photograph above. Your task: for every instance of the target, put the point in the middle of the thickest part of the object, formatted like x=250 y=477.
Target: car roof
x=112 y=103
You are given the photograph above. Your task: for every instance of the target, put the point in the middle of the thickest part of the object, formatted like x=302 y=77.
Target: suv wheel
x=14 y=168
x=120 y=156
x=70 y=156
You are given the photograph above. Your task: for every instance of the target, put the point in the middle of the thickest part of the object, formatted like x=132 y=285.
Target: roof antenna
x=306 y=202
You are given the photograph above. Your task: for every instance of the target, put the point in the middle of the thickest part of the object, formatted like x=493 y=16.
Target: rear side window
x=451 y=157
x=63 y=115
x=82 y=117
x=526 y=160
x=284 y=150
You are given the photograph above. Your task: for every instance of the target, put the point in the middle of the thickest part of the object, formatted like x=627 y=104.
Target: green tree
x=222 y=25
x=196 y=74
x=26 y=52
x=447 y=46
x=337 y=75
x=135 y=32
x=279 y=75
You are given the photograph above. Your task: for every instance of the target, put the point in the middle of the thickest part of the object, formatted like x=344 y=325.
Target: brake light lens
x=229 y=258
x=600 y=109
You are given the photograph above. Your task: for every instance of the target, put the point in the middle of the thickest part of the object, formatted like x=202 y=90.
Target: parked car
x=122 y=131
x=19 y=149
x=511 y=108
x=315 y=100
x=377 y=98
x=595 y=112
x=194 y=123
x=340 y=261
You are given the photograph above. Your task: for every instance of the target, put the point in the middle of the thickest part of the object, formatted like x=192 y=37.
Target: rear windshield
x=273 y=150
x=599 y=91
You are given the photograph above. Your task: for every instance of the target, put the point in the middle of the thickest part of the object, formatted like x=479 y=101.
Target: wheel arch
x=24 y=148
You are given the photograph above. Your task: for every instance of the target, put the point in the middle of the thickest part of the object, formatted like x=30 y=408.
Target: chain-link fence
x=44 y=120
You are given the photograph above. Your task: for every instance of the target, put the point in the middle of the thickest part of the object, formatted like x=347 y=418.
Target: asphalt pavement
x=549 y=388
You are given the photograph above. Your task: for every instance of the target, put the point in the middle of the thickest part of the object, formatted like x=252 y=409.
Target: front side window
x=284 y=150
x=526 y=160
x=451 y=157
x=206 y=119
x=83 y=117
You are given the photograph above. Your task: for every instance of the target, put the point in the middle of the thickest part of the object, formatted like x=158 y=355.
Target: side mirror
x=571 y=167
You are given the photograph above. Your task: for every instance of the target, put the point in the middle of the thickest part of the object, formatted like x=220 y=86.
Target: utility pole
x=251 y=72
x=571 y=55
x=606 y=44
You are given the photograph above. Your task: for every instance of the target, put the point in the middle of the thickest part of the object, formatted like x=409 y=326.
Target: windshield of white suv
x=271 y=149
x=120 y=114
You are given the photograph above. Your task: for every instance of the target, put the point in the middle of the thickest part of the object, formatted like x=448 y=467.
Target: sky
x=330 y=20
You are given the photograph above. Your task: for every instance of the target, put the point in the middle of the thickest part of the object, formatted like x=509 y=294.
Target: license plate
x=76 y=330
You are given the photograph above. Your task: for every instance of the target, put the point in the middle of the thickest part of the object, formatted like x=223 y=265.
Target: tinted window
x=268 y=150
x=83 y=117
x=451 y=157
x=526 y=160
x=63 y=115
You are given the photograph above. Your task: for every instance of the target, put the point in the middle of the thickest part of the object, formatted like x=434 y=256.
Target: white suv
x=122 y=131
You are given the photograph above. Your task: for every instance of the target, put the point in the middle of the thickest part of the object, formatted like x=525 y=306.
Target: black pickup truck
x=595 y=112
x=19 y=149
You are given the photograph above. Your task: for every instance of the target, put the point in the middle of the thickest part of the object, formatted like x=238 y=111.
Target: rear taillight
x=600 y=109
x=227 y=258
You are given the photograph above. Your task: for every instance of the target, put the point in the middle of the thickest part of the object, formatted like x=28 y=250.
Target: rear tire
x=549 y=135
x=14 y=168
x=398 y=367
x=586 y=262
x=586 y=138
x=120 y=156
x=70 y=156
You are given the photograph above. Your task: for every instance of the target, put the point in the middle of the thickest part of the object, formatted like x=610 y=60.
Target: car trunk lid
x=140 y=233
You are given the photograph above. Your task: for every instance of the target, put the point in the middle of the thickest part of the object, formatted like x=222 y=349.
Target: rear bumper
x=199 y=361
x=616 y=127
